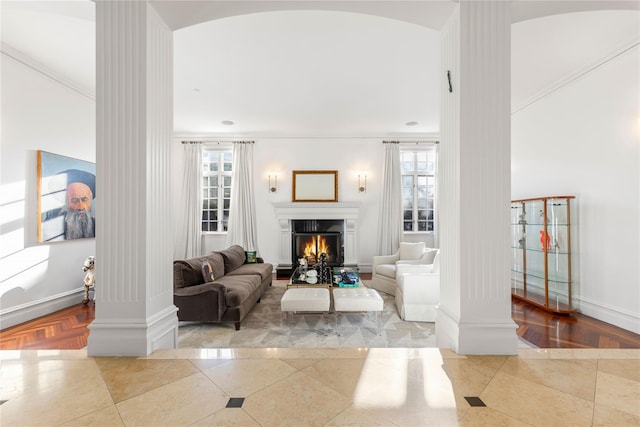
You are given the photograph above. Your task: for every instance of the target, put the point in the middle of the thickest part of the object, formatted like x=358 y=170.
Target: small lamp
x=273 y=183
x=362 y=182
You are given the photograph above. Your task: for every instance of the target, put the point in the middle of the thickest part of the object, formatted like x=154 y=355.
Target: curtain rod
x=217 y=142
x=411 y=142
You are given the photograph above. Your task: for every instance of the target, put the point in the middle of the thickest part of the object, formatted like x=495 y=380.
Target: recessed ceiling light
x=227 y=122
x=411 y=123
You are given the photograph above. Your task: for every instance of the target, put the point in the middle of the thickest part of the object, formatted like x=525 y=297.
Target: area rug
x=264 y=327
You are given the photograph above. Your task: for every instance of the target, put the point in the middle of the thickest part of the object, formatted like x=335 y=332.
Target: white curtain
x=188 y=240
x=242 y=211
x=390 y=219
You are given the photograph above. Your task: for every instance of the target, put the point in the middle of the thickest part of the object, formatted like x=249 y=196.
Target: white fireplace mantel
x=346 y=211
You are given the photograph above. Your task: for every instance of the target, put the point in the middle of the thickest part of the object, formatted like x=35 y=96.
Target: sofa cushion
x=185 y=275
x=239 y=288
x=263 y=270
x=217 y=264
x=411 y=250
x=387 y=270
x=233 y=258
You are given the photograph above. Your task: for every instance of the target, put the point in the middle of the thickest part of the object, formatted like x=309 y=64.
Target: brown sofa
x=236 y=287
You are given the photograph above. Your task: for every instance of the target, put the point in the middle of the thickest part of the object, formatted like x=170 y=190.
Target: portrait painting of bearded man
x=67 y=191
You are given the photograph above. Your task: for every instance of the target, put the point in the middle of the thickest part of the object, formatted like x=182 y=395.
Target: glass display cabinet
x=541 y=242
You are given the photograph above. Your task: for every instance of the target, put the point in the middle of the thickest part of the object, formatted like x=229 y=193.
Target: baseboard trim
x=134 y=337
x=609 y=314
x=490 y=338
x=32 y=310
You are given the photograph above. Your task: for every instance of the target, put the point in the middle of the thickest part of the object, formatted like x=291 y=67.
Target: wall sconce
x=273 y=183
x=362 y=182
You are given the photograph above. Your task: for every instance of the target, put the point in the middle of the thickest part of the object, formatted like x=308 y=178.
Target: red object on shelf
x=545 y=240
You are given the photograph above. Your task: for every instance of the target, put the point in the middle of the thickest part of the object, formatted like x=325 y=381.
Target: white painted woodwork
x=475 y=313
x=346 y=211
x=134 y=310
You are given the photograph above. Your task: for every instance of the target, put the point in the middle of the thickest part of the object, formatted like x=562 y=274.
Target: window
x=418 y=189
x=216 y=190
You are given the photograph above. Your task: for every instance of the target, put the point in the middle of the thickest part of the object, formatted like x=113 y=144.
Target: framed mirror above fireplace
x=315 y=186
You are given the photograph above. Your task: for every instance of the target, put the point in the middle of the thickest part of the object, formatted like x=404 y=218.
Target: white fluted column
x=134 y=294
x=475 y=181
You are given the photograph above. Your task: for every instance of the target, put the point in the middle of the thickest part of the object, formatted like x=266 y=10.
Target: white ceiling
x=312 y=72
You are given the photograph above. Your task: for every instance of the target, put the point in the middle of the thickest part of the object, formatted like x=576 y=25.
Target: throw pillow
x=251 y=256
x=410 y=251
x=207 y=272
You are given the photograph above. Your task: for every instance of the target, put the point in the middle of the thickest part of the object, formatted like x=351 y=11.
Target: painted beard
x=79 y=224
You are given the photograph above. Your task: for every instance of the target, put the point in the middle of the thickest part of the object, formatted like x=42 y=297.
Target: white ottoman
x=358 y=300
x=305 y=300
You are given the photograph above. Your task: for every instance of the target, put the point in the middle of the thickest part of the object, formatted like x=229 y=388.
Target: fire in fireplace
x=310 y=245
x=312 y=237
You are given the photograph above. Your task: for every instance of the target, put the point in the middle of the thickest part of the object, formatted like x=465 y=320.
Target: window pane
x=225 y=206
x=215 y=164
x=422 y=161
x=418 y=189
x=406 y=159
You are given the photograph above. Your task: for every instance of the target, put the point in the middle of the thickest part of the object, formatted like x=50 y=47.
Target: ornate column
x=134 y=298
x=475 y=181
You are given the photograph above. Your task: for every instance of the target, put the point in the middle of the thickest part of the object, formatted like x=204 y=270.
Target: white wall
x=38 y=113
x=348 y=156
x=584 y=140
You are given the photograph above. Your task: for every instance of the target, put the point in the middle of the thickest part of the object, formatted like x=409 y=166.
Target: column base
x=494 y=338
x=131 y=337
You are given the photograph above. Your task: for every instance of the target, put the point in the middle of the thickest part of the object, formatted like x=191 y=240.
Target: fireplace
x=310 y=238
x=310 y=245
x=316 y=218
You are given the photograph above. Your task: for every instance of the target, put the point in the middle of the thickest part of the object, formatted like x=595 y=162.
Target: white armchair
x=418 y=291
x=383 y=277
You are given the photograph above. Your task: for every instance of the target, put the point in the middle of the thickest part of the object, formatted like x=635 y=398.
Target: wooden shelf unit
x=541 y=238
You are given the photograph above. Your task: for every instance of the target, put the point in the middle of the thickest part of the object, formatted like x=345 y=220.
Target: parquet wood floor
x=67 y=329
x=63 y=330
x=548 y=330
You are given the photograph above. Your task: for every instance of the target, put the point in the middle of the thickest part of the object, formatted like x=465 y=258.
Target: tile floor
x=321 y=387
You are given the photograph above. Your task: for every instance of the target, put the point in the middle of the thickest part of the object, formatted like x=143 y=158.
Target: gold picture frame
x=315 y=186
